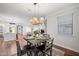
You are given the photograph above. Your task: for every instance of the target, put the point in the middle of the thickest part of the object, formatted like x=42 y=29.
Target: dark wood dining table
x=38 y=42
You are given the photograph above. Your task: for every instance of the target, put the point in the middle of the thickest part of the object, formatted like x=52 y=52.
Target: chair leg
x=36 y=53
x=51 y=52
x=18 y=49
x=51 y=47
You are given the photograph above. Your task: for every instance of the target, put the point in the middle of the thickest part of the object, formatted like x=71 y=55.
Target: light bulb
x=41 y=19
x=32 y=21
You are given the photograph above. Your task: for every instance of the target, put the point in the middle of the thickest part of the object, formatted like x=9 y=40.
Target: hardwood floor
x=67 y=52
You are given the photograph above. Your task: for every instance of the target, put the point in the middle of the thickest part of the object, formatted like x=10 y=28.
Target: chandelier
x=37 y=20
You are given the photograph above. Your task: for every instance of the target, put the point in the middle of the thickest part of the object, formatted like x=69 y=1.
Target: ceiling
x=29 y=10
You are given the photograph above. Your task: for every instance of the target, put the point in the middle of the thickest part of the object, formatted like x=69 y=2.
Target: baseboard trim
x=68 y=52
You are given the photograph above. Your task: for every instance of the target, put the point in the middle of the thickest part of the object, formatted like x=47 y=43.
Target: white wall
x=6 y=19
x=70 y=42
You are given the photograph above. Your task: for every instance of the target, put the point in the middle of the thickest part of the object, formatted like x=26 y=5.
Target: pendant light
x=36 y=19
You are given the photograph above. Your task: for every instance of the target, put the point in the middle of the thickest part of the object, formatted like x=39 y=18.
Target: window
x=12 y=29
x=65 y=24
x=1 y=31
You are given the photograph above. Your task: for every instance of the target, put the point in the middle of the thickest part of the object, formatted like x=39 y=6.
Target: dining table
x=38 y=43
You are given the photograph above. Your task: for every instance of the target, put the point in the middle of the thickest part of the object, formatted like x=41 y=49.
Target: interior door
x=20 y=29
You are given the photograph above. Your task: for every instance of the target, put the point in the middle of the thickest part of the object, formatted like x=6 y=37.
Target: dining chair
x=47 y=48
